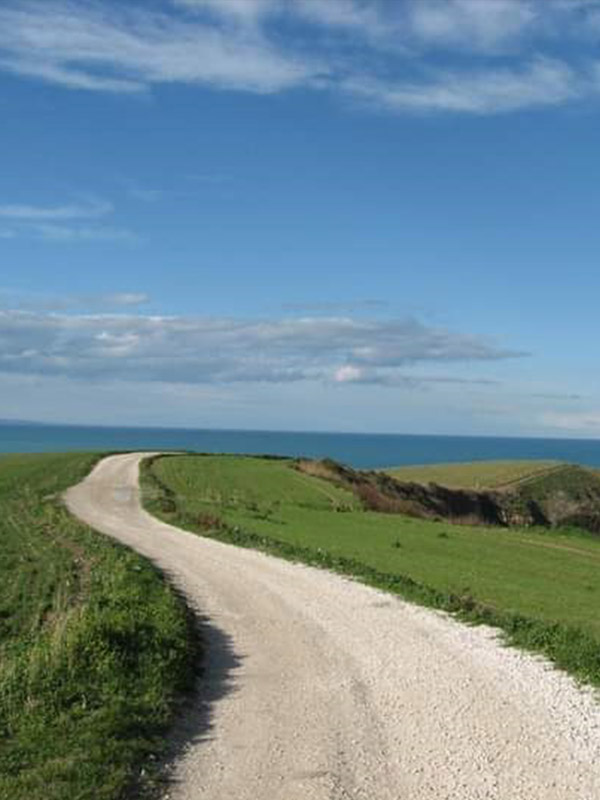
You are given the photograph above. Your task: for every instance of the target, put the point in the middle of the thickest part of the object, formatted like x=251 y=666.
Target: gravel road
x=318 y=687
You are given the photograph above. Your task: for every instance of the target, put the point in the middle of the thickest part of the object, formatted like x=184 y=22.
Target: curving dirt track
x=317 y=687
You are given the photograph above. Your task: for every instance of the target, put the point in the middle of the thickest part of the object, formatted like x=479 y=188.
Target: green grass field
x=541 y=586
x=476 y=474
x=94 y=646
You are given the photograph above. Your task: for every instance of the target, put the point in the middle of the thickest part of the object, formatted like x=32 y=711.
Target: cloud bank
x=400 y=56
x=195 y=350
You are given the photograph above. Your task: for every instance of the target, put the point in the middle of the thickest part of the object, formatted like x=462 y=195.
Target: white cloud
x=353 y=374
x=85 y=46
x=31 y=213
x=480 y=24
x=383 y=51
x=543 y=82
x=67 y=76
x=73 y=222
x=366 y=19
x=349 y=374
x=213 y=350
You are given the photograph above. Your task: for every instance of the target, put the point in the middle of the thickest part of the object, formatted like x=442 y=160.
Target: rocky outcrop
x=569 y=496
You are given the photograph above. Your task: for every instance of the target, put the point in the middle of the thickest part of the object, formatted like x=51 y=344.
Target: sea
x=362 y=450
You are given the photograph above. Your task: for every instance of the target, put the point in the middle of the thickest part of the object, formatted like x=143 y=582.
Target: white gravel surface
x=318 y=687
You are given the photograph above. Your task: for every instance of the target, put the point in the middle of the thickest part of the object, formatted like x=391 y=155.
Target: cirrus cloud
x=461 y=56
x=542 y=82
x=70 y=222
x=32 y=213
x=107 y=48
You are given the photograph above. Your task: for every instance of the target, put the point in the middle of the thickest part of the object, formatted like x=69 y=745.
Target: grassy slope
x=569 y=480
x=93 y=645
x=475 y=475
x=505 y=577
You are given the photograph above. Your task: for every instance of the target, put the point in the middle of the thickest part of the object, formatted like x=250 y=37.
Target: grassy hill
x=475 y=474
x=524 y=493
x=506 y=577
x=566 y=495
x=94 y=646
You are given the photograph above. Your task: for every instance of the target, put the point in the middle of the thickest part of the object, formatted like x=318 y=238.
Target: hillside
x=505 y=577
x=474 y=474
x=546 y=494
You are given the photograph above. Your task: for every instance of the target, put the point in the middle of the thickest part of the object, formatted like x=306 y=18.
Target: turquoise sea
x=359 y=450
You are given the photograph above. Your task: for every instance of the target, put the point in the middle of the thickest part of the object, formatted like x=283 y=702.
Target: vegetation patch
x=95 y=648
x=540 y=586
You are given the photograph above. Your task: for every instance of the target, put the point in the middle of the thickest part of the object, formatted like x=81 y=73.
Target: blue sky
x=303 y=214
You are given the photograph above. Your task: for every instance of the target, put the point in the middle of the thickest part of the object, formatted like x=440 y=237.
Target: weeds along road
x=318 y=687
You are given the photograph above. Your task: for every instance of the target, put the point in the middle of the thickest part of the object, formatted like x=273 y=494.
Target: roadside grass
x=95 y=648
x=476 y=474
x=540 y=586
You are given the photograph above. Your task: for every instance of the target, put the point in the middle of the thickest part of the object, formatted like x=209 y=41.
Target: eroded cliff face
x=570 y=496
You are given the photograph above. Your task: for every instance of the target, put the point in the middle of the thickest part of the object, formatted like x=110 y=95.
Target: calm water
x=359 y=450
